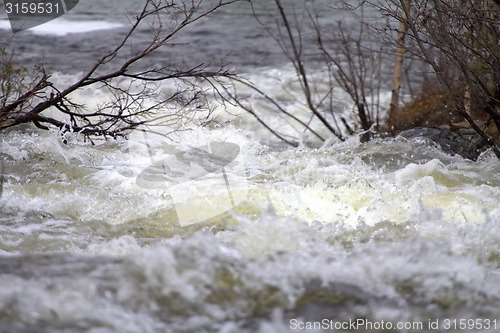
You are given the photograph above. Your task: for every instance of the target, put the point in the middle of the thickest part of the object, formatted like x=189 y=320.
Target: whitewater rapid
x=253 y=236
x=387 y=230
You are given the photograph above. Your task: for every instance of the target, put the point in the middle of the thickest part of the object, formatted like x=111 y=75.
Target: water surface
x=393 y=229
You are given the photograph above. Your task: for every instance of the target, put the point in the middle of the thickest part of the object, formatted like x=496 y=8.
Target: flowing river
x=392 y=235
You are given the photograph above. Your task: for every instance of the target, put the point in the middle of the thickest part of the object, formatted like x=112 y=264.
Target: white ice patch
x=62 y=27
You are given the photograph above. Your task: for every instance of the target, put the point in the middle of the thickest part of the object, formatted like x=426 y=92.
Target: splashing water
x=392 y=230
x=388 y=230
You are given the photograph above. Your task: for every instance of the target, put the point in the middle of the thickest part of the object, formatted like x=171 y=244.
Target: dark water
x=231 y=35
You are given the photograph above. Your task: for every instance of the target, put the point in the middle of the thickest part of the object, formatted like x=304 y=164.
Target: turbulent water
x=392 y=235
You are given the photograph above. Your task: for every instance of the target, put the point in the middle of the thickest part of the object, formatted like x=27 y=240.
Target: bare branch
x=127 y=109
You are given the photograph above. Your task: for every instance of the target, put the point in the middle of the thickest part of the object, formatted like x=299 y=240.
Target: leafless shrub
x=349 y=64
x=136 y=95
x=460 y=41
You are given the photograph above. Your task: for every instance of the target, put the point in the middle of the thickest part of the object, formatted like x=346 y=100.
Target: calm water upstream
x=393 y=234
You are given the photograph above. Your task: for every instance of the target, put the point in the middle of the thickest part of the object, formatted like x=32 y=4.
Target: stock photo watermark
x=27 y=14
x=203 y=181
x=438 y=325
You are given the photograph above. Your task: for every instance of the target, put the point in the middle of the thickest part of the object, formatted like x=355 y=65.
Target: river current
x=392 y=235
